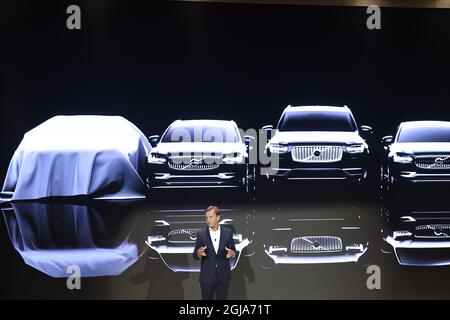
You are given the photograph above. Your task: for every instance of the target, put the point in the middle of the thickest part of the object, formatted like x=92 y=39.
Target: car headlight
x=401 y=234
x=155 y=158
x=234 y=158
x=278 y=148
x=355 y=148
x=277 y=248
x=402 y=158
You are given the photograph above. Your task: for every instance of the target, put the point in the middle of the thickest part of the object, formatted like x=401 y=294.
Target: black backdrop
x=155 y=62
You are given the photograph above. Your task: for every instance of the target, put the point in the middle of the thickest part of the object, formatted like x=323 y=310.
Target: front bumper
x=352 y=168
x=350 y=174
x=318 y=259
x=225 y=176
x=406 y=177
x=405 y=174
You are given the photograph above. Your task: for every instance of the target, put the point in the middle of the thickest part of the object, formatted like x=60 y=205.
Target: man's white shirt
x=215 y=238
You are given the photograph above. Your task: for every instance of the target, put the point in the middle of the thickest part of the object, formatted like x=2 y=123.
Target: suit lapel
x=210 y=244
x=222 y=239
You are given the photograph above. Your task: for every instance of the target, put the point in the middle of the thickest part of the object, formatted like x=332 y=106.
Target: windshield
x=201 y=133
x=424 y=133
x=317 y=121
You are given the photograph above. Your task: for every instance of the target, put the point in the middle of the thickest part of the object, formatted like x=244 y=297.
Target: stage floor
x=309 y=243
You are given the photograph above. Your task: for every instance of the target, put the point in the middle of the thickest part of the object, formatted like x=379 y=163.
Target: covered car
x=53 y=238
x=95 y=156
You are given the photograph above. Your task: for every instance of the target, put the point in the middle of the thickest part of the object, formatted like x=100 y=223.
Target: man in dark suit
x=215 y=246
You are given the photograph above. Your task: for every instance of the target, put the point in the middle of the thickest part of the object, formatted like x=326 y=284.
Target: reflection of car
x=314 y=236
x=175 y=231
x=419 y=153
x=53 y=237
x=419 y=238
x=200 y=154
x=318 y=143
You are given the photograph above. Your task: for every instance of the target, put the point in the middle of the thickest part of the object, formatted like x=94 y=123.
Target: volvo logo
x=440 y=161
x=317 y=153
x=195 y=162
x=193 y=235
x=439 y=233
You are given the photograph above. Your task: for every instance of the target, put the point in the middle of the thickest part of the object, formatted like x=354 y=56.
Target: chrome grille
x=433 y=162
x=433 y=231
x=311 y=244
x=183 y=235
x=316 y=153
x=194 y=162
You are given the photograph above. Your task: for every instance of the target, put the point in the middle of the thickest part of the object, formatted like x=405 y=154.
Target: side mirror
x=249 y=141
x=387 y=140
x=366 y=129
x=269 y=129
x=153 y=140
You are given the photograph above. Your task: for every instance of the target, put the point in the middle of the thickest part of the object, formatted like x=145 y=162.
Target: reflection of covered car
x=175 y=231
x=314 y=235
x=420 y=238
x=52 y=238
x=95 y=156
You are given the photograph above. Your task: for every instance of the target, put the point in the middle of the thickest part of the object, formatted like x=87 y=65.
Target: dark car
x=419 y=154
x=200 y=154
x=317 y=143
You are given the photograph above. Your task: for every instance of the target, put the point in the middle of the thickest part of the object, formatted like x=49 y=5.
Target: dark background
x=154 y=62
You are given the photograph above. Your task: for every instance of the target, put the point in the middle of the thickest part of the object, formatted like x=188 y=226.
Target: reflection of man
x=214 y=245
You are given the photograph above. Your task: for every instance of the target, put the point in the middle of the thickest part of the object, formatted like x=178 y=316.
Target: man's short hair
x=213 y=208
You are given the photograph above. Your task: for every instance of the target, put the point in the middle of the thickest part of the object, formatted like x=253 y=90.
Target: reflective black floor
x=311 y=242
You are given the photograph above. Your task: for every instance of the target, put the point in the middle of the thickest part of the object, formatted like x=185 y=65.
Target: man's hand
x=230 y=253
x=201 y=252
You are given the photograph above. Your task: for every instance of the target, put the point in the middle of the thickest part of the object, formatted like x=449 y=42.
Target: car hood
x=285 y=137
x=199 y=147
x=421 y=147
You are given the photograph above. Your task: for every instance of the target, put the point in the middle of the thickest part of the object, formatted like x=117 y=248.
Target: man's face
x=212 y=219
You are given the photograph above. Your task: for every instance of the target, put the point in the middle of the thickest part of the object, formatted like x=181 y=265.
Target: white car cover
x=52 y=238
x=95 y=156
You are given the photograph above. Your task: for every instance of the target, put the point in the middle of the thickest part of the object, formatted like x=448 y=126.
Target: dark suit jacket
x=213 y=261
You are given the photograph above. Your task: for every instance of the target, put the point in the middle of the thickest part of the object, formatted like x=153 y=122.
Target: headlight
x=356 y=148
x=234 y=158
x=401 y=234
x=278 y=148
x=155 y=158
x=277 y=248
x=402 y=158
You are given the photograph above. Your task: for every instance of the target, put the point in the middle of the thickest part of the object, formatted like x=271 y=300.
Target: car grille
x=316 y=154
x=433 y=231
x=312 y=244
x=433 y=162
x=194 y=162
x=183 y=235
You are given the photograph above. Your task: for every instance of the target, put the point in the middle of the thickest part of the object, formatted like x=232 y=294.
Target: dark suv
x=418 y=154
x=200 y=154
x=317 y=143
